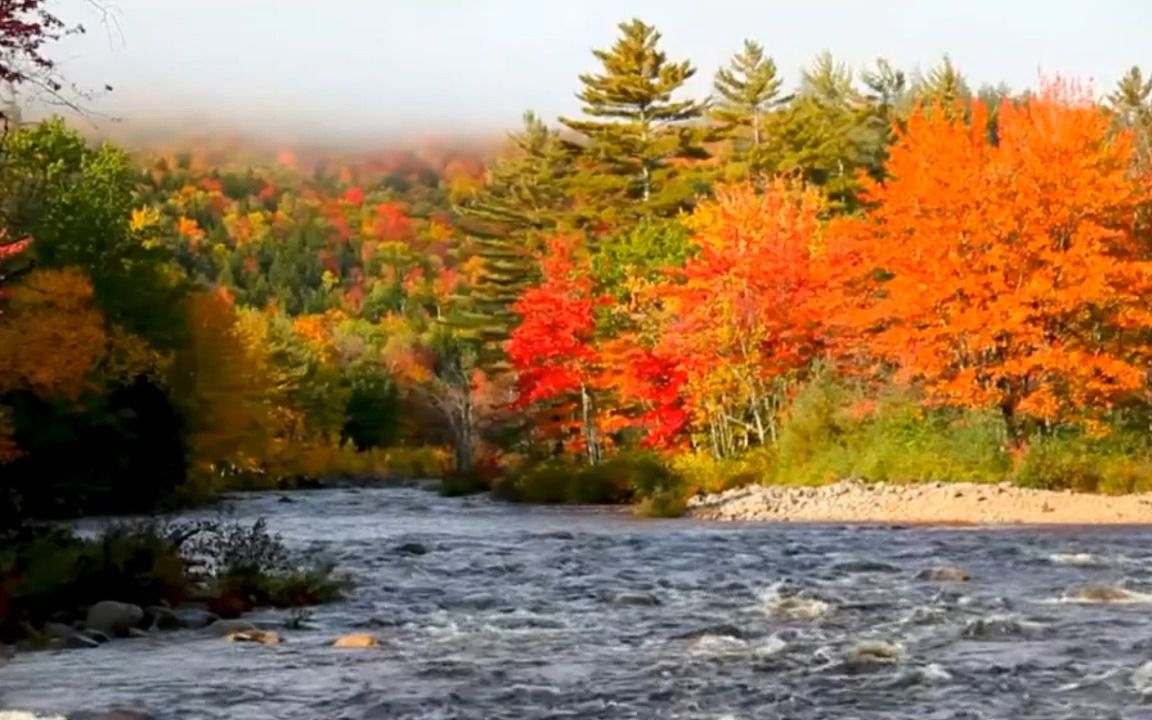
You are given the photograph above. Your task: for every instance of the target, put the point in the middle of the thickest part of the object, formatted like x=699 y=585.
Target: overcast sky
x=342 y=67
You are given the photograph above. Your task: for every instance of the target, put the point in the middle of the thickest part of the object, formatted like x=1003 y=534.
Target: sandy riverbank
x=937 y=503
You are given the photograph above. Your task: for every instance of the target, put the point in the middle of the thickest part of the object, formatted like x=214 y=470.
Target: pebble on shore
x=929 y=503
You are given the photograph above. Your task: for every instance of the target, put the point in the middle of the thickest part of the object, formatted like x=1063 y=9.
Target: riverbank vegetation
x=868 y=273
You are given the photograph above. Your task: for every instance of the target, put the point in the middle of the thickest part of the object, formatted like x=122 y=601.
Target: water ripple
x=517 y=612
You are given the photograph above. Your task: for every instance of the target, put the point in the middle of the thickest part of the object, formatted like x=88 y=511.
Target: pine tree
x=944 y=85
x=826 y=134
x=636 y=131
x=522 y=200
x=888 y=100
x=1131 y=101
x=745 y=93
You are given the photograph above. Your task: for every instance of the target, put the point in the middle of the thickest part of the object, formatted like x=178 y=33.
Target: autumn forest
x=870 y=273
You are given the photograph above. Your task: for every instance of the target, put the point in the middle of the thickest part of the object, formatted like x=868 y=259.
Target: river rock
x=158 y=617
x=222 y=628
x=729 y=631
x=1102 y=594
x=138 y=633
x=944 y=574
x=67 y=637
x=114 y=618
x=194 y=618
x=357 y=640
x=111 y=715
x=263 y=637
x=412 y=548
x=97 y=636
x=635 y=599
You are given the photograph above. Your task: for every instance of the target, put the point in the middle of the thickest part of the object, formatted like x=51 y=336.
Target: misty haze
x=592 y=360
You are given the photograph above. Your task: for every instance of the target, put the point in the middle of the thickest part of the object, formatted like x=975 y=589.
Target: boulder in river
x=635 y=599
x=158 y=617
x=946 y=573
x=1102 y=594
x=263 y=637
x=227 y=627
x=195 y=618
x=66 y=636
x=113 y=618
x=111 y=715
x=357 y=640
x=729 y=631
x=412 y=548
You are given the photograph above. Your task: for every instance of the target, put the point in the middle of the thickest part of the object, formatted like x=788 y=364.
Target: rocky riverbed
x=937 y=503
x=470 y=609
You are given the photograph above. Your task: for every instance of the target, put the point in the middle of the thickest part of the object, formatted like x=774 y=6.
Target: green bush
x=620 y=479
x=832 y=431
x=1116 y=464
x=48 y=573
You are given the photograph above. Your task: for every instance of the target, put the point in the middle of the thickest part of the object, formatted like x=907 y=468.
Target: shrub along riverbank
x=59 y=588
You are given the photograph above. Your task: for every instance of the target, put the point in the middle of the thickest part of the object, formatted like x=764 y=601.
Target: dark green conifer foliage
x=634 y=130
x=745 y=94
x=523 y=199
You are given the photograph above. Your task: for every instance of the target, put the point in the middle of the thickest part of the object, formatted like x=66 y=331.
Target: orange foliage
x=745 y=311
x=1017 y=276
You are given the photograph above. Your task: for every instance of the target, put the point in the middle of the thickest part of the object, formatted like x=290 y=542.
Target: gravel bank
x=942 y=503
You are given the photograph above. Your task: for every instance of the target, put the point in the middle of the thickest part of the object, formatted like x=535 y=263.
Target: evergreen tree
x=826 y=133
x=1132 y=103
x=523 y=198
x=636 y=131
x=745 y=93
x=944 y=85
x=888 y=100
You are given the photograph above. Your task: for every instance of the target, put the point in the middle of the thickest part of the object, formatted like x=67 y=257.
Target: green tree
x=522 y=200
x=745 y=93
x=943 y=85
x=635 y=130
x=826 y=134
x=1131 y=101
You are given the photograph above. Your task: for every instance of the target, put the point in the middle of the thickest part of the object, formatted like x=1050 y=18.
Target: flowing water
x=519 y=612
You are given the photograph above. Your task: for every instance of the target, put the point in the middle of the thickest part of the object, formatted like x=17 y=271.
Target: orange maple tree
x=742 y=314
x=1012 y=276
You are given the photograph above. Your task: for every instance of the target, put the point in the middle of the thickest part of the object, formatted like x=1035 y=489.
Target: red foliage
x=25 y=26
x=354 y=195
x=551 y=350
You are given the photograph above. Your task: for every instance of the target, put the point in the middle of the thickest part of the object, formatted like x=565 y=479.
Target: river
x=527 y=612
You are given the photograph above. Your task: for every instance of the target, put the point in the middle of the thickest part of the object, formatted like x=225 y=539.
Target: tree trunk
x=591 y=439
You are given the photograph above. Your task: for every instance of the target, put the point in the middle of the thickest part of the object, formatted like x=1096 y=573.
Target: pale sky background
x=343 y=68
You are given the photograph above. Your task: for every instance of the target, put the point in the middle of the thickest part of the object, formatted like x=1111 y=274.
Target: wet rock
x=869 y=653
x=728 y=631
x=357 y=640
x=1102 y=594
x=993 y=628
x=412 y=548
x=864 y=566
x=195 y=618
x=944 y=574
x=138 y=633
x=111 y=715
x=285 y=499
x=158 y=617
x=67 y=637
x=221 y=628
x=560 y=535
x=631 y=599
x=96 y=635
x=262 y=637
x=113 y=618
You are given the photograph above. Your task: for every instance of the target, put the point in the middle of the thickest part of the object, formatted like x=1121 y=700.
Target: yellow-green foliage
x=335 y=459
x=703 y=473
x=831 y=432
x=1116 y=464
x=620 y=479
